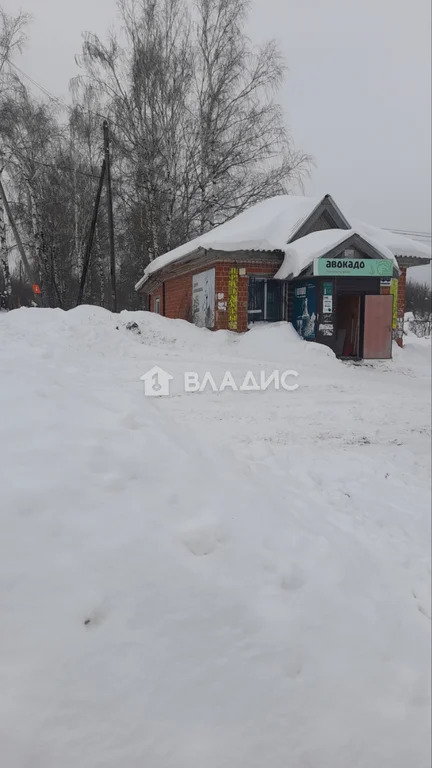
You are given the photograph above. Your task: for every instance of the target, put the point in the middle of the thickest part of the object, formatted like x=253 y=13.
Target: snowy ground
x=214 y=580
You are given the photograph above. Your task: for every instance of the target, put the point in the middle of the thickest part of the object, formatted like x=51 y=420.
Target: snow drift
x=230 y=580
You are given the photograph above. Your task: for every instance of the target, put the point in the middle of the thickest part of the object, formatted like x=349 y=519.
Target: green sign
x=328 y=289
x=354 y=267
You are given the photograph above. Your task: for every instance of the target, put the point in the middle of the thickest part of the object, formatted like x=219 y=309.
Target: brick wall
x=178 y=297
x=178 y=291
x=402 y=292
x=156 y=294
x=265 y=268
x=401 y=302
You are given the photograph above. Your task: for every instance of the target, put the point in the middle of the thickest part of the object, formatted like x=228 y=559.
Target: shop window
x=265 y=300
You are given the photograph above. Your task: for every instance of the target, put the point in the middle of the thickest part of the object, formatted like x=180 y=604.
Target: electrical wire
x=410 y=233
x=59 y=101
x=51 y=96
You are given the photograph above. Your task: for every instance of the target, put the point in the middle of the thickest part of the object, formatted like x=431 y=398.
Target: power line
x=51 y=96
x=409 y=233
x=67 y=168
x=70 y=109
x=59 y=101
x=38 y=85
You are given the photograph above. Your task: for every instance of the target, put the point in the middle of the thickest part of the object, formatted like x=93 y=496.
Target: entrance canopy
x=302 y=253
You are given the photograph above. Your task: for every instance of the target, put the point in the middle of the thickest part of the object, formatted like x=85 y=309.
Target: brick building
x=298 y=259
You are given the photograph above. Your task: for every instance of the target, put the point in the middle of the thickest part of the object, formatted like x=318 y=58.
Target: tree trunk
x=42 y=266
x=4 y=259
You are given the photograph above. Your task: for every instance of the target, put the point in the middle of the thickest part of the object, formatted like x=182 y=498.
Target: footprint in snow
x=293 y=579
x=203 y=540
x=294 y=664
x=95 y=616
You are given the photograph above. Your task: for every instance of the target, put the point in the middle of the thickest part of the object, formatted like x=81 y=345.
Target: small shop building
x=296 y=259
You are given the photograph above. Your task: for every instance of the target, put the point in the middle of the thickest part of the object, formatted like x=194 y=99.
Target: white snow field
x=216 y=579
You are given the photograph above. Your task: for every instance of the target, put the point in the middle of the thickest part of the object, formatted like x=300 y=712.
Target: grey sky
x=357 y=95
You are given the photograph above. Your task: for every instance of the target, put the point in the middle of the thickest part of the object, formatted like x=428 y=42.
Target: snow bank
x=219 y=579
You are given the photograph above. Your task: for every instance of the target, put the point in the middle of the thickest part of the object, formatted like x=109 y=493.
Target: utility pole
x=16 y=233
x=86 y=259
x=110 y=215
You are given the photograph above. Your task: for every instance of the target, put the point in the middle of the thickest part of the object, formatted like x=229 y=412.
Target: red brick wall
x=156 y=294
x=178 y=297
x=178 y=291
x=401 y=292
x=401 y=299
x=222 y=277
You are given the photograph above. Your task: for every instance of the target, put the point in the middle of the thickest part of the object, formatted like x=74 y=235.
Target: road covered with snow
x=231 y=579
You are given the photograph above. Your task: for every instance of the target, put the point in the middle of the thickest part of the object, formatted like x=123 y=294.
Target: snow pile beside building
x=213 y=579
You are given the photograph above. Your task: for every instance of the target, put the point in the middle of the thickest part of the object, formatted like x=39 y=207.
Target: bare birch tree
x=245 y=152
x=4 y=256
x=13 y=34
x=197 y=137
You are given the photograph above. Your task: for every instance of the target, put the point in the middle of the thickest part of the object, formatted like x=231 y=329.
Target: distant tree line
x=197 y=136
x=419 y=305
x=418 y=299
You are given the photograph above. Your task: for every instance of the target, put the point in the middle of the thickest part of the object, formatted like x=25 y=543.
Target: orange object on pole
x=36 y=288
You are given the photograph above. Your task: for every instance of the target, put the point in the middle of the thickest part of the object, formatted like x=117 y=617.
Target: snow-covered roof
x=302 y=252
x=398 y=244
x=267 y=226
x=271 y=225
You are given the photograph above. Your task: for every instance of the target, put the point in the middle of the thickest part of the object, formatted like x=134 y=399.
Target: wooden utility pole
x=110 y=215
x=16 y=234
x=86 y=259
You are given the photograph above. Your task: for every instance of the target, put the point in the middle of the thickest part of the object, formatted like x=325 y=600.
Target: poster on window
x=304 y=310
x=203 y=299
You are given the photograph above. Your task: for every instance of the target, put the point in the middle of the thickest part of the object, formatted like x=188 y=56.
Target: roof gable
x=300 y=254
x=326 y=215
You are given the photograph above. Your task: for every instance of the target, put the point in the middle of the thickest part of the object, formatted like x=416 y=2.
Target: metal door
x=377 y=339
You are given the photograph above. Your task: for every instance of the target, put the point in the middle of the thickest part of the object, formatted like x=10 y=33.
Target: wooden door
x=377 y=338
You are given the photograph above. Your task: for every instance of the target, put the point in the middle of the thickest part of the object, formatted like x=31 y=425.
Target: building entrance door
x=348 y=326
x=377 y=339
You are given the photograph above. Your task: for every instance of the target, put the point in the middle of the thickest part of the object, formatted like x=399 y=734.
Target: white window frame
x=156 y=305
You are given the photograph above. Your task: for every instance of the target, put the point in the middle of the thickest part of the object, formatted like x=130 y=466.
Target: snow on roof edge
x=302 y=253
x=266 y=226
x=274 y=222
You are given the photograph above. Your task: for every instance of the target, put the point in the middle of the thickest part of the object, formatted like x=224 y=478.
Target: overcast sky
x=357 y=95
